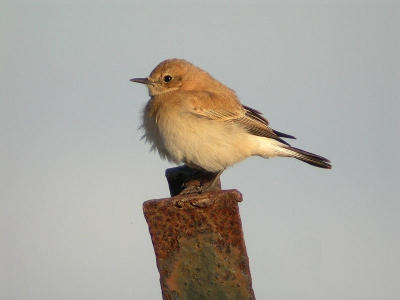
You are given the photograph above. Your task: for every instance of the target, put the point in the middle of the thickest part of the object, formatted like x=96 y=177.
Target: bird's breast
x=181 y=136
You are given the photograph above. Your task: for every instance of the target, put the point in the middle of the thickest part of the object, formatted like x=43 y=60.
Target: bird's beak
x=141 y=80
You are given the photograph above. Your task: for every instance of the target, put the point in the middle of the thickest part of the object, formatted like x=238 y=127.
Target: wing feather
x=249 y=118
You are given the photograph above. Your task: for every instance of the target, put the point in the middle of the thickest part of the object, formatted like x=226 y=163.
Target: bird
x=195 y=120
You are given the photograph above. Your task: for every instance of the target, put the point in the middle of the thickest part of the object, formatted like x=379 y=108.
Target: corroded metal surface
x=199 y=246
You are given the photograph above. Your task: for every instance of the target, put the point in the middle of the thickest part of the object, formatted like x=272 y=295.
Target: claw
x=184 y=180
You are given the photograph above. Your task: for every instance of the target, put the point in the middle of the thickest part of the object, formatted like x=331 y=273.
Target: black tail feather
x=309 y=158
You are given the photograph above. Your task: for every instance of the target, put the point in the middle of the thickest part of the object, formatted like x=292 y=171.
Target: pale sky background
x=74 y=173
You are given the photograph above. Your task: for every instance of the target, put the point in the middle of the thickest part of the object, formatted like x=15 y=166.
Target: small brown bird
x=194 y=119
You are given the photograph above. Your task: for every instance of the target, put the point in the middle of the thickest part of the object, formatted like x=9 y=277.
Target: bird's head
x=175 y=74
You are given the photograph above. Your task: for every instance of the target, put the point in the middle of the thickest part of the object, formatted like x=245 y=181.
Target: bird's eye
x=167 y=78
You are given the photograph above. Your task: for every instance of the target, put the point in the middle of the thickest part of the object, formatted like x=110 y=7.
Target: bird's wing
x=212 y=107
x=257 y=119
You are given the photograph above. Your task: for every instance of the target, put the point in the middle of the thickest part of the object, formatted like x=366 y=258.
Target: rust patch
x=199 y=246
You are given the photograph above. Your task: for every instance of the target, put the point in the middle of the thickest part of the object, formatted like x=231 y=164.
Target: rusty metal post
x=199 y=246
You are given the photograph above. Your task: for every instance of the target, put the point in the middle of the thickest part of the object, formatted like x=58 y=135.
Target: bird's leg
x=185 y=180
x=210 y=181
x=202 y=181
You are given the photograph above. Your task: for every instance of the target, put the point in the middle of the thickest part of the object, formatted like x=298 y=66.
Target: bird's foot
x=184 y=180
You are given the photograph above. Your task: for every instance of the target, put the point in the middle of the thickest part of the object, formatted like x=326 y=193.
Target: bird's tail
x=307 y=157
